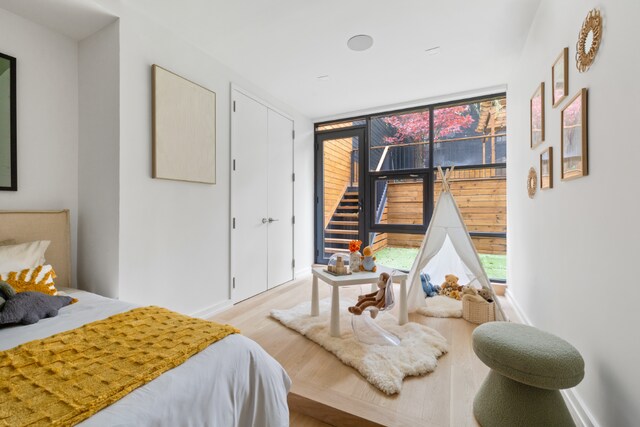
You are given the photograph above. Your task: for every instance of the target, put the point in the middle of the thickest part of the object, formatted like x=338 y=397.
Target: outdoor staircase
x=343 y=226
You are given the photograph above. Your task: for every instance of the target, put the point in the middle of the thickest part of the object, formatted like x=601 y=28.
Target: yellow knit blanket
x=64 y=379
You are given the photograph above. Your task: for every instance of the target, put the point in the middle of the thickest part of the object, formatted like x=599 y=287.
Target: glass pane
x=399 y=200
x=481 y=195
x=396 y=250
x=493 y=254
x=340 y=125
x=470 y=134
x=340 y=194
x=399 y=141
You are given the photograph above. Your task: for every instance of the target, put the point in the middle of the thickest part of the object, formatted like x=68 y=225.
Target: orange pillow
x=39 y=279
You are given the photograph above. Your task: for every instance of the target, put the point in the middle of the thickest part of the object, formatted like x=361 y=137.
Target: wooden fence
x=480 y=194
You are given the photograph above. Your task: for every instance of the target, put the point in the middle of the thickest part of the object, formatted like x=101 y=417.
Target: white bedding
x=233 y=382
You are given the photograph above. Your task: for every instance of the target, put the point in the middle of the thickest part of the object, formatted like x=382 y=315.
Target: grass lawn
x=402 y=259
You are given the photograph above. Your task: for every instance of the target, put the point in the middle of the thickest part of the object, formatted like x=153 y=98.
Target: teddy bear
x=376 y=299
x=368 y=260
x=450 y=287
x=430 y=290
x=486 y=294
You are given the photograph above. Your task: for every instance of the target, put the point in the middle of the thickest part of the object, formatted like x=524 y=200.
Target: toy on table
x=430 y=290
x=354 y=255
x=374 y=299
x=339 y=265
x=368 y=260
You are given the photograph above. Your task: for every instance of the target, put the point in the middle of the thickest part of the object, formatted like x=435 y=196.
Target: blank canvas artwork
x=184 y=129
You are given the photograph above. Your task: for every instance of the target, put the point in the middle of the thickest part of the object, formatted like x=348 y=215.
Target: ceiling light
x=323 y=78
x=433 y=51
x=360 y=42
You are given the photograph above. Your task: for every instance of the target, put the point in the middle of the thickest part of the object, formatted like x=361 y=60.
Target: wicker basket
x=478 y=312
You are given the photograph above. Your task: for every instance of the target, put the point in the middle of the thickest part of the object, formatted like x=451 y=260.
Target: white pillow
x=24 y=255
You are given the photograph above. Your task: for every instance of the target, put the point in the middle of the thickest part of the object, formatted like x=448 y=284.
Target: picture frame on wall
x=8 y=124
x=574 y=137
x=536 y=115
x=560 y=78
x=184 y=129
x=546 y=169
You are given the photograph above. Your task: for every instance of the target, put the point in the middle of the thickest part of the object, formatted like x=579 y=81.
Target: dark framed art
x=8 y=124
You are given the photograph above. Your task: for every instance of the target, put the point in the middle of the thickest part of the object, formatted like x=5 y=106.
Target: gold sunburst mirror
x=589 y=40
x=532 y=182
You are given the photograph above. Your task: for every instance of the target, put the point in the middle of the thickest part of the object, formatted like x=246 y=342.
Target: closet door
x=249 y=197
x=280 y=204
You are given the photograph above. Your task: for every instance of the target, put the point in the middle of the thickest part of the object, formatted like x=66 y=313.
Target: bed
x=232 y=382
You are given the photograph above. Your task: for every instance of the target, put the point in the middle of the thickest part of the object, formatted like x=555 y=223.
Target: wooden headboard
x=27 y=226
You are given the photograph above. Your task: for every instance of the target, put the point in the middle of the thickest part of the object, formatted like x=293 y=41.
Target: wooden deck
x=325 y=389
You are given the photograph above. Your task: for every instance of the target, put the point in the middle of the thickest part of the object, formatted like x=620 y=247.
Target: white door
x=261 y=197
x=249 y=198
x=280 y=204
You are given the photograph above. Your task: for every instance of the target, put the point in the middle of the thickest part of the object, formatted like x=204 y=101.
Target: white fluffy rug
x=383 y=366
x=441 y=306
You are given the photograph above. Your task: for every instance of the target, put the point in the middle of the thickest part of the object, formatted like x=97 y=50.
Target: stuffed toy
x=469 y=290
x=430 y=290
x=368 y=260
x=486 y=294
x=450 y=287
x=6 y=292
x=374 y=299
x=472 y=298
x=28 y=307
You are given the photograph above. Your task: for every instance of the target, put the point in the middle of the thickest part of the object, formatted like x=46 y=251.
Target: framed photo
x=8 y=124
x=573 y=137
x=536 y=108
x=546 y=168
x=560 y=78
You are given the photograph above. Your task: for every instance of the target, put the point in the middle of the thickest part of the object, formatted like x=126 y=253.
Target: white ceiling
x=283 y=45
x=74 y=18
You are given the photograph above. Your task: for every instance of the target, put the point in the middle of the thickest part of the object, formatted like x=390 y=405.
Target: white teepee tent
x=447 y=248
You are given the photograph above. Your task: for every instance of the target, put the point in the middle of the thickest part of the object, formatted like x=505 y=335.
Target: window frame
x=368 y=177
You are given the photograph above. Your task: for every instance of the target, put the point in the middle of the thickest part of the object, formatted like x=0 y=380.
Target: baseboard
x=214 y=309
x=579 y=410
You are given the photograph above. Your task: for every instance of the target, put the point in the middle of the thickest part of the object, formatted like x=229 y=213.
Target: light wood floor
x=325 y=389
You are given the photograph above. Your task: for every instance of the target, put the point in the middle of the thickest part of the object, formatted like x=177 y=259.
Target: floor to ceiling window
x=388 y=203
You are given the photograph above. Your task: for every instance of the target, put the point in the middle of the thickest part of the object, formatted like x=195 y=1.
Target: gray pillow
x=29 y=307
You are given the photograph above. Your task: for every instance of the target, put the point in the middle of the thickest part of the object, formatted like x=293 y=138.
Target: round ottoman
x=528 y=367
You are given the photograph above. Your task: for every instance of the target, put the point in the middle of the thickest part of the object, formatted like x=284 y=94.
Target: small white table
x=358 y=278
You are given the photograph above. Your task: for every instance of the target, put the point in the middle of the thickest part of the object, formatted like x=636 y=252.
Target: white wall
x=174 y=236
x=47 y=109
x=573 y=249
x=99 y=161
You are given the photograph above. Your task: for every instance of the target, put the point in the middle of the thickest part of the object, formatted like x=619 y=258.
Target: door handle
x=272 y=220
x=265 y=220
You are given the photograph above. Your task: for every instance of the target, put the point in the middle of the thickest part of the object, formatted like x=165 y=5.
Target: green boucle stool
x=528 y=368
